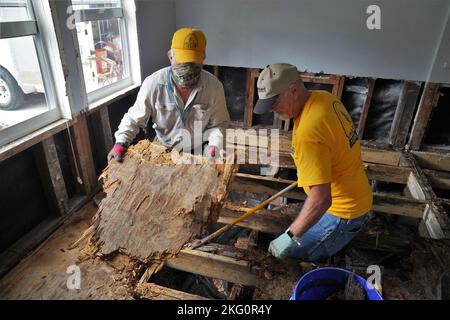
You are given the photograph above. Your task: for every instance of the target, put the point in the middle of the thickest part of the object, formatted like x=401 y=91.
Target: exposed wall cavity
x=22 y=200
x=382 y=109
x=439 y=129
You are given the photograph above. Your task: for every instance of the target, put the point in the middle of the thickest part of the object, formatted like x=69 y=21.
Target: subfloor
x=411 y=266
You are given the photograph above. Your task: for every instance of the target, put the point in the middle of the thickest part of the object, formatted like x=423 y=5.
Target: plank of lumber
x=428 y=100
x=83 y=152
x=151 y=291
x=435 y=217
x=404 y=113
x=283 y=146
x=338 y=87
x=153 y=207
x=277 y=221
x=252 y=75
x=214 y=266
x=431 y=160
x=391 y=204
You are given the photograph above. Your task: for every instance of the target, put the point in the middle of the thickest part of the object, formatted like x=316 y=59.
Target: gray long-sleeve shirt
x=159 y=101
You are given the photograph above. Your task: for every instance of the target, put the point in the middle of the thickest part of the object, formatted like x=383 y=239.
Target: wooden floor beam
x=215 y=266
x=435 y=218
x=151 y=291
x=392 y=204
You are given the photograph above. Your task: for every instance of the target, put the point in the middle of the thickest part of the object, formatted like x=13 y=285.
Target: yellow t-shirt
x=327 y=150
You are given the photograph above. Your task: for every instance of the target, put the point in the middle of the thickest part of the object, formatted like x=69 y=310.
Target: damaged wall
x=22 y=199
x=322 y=35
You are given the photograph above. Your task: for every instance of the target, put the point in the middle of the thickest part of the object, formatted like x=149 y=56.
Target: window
x=102 y=39
x=28 y=98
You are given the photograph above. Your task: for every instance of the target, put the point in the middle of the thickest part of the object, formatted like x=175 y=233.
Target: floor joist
x=385 y=203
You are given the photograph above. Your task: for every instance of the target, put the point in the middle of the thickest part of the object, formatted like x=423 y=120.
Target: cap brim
x=186 y=56
x=263 y=105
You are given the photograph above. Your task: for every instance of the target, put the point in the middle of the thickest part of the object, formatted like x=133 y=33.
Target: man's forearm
x=312 y=211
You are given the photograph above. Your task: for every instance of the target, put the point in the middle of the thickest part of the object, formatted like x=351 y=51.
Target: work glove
x=117 y=152
x=281 y=246
x=212 y=153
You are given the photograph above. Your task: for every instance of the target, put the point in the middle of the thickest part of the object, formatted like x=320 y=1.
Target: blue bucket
x=320 y=283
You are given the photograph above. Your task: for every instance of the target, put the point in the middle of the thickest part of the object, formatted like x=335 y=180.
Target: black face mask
x=186 y=75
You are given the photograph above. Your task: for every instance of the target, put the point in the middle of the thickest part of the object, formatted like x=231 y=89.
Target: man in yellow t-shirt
x=327 y=154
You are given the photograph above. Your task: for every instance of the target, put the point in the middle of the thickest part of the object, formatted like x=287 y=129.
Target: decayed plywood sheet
x=153 y=206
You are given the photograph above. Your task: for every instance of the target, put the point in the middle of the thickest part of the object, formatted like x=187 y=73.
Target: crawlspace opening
x=196 y=284
x=438 y=133
x=382 y=109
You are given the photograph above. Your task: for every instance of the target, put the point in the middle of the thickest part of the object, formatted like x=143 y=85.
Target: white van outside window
x=28 y=93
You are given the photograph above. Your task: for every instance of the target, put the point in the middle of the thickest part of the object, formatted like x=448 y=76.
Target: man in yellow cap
x=182 y=101
x=327 y=155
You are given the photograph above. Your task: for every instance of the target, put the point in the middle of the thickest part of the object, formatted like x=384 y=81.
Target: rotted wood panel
x=153 y=206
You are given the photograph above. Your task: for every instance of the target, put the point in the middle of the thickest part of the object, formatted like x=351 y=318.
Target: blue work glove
x=281 y=246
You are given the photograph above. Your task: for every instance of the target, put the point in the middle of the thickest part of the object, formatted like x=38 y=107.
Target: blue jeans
x=326 y=237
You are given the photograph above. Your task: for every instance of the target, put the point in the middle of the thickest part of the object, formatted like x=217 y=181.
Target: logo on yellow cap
x=190 y=42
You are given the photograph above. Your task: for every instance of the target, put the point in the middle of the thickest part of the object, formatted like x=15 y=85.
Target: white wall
x=325 y=35
x=156 y=25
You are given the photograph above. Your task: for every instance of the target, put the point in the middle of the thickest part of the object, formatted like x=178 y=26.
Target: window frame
x=38 y=26
x=107 y=13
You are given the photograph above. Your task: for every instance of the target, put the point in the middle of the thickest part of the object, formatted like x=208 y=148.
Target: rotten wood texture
x=154 y=206
x=151 y=291
x=84 y=161
x=428 y=101
x=365 y=109
x=404 y=113
x=47 y=161
x=435 y=218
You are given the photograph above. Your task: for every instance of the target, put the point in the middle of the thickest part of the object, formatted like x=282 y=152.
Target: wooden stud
x=102 y=131
x=428 y=100
x=404 y=114
x=365 y=109
x=83 y=153
x=252 y=74
x=338 y=87
x=392 y=204
x=51 y=175
x=151 y=291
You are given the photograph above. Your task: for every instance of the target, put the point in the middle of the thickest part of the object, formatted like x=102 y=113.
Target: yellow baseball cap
x=189 y=45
